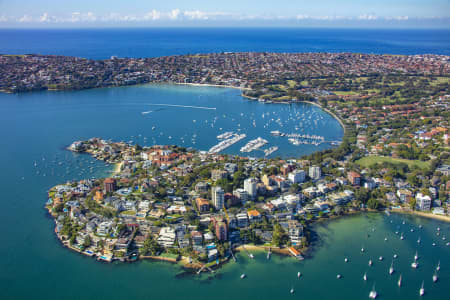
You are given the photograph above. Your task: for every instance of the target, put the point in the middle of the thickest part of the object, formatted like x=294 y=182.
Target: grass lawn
x=282 y=98
x=291 y=83
x=342 y=93
x=370 y=160
x=169 y=255
x=440 y=80
x=304 y=83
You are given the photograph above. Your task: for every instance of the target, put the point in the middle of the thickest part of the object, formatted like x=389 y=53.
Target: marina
x=254 y=145
x=226 y=143
x=270 y=150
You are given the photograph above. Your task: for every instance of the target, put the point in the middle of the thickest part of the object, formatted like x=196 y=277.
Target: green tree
x=279 y=236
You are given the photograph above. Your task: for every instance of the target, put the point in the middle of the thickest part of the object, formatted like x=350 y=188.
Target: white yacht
x=299 y=274
x=365 y=276
x=422 y=290
x=346 y=259
x=370 y=263
x=435 y=276
x=380 y=258
x=242 y=276
x=438 y=266
x=339 y=276
x=391 y=269
x=415 y=264
x=373 y=294
x=399 y=282
x=416 y=256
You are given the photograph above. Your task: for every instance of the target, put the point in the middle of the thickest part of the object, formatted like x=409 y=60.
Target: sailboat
x=415 y=264
x=418 y=240
x=365 y=276
x=362 y=249
x=435 y=276
x=299 y=274
x=292 y=290
x=416 y=256
x=438 y=266
x=422 y=290
x=402 y=237
x=399 y=282
x=370 y=263
x=346 y=259
x=242 y=276
x=373 y=294
x=391 y=269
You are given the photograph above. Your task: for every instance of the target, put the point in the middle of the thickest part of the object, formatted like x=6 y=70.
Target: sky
x=210 y=13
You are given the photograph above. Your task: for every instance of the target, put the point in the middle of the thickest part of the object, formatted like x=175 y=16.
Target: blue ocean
x=152 y=42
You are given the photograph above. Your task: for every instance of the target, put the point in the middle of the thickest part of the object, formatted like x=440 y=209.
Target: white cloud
x=44 y=18
x=322 y=18
x=153 y=15
x=195 y=15
x=174 y=14
x=25 y=19
x=368 y=17
x=302 y=17
x=398 y=18
x=76 y=17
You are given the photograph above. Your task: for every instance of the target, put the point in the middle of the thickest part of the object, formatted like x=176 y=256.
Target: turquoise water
x=36 y=127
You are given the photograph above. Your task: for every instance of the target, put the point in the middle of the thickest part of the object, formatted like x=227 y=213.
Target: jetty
x=226 y=143
x=254 y=145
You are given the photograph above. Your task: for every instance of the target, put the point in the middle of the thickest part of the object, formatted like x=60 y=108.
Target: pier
x=226 y=143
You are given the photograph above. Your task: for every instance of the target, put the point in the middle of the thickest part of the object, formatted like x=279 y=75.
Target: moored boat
x=422 y=290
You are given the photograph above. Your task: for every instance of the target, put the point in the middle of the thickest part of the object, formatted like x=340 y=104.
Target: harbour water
x=35 y=129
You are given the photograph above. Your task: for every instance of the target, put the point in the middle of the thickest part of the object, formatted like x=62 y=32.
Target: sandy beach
x=117 y=168
x=422 y=214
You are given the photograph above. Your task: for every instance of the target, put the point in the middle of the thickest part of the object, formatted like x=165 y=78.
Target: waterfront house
x=295 y=232
x=423 y=202
x=197 y=238
x=404 y=195
x=167 y=237
x=242 y=220
x=104 y=228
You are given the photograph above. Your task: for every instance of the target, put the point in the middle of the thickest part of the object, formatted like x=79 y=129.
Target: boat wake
x=183 y=106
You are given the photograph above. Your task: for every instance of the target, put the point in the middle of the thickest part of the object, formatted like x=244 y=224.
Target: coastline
x=209 y=85
x=421 y=214
x=117 y=168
